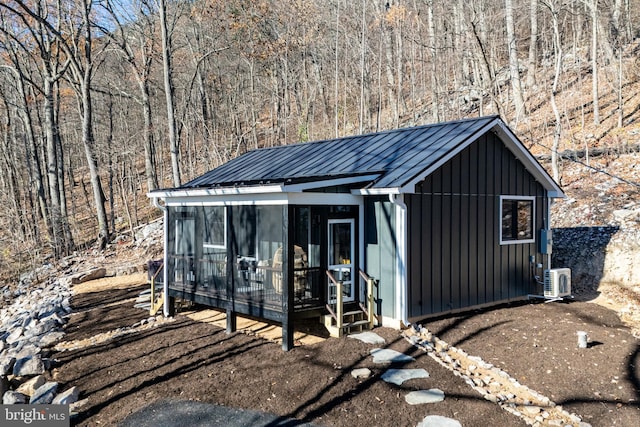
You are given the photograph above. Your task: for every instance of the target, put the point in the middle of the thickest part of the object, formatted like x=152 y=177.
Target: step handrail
x=338 y=314
x=369 y=308
x=155 y=305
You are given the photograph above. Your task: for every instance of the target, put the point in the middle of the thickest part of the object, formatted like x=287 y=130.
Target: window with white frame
x=517 y=223
x=215 y=227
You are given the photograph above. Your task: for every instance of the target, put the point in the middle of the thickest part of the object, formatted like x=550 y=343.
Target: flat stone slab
x=369 y=338
x=420 y=397
x=385 y=355
x=438 y=421
x=398 y=376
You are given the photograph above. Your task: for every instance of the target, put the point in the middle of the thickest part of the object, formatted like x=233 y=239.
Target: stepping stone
x=361 y=373
x=438 y=421
x=369 y=338
x=419 y=397
x=398 y=376
x=385 y=355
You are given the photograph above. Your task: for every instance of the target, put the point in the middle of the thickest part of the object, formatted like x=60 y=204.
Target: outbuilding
x=445 y=217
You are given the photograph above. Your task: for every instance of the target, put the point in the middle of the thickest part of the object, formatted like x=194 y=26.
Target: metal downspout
x=549 y=203
x=165 y=261
x=401 y=256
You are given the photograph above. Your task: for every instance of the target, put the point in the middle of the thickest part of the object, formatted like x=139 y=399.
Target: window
x=215 y=229
x=516 y=219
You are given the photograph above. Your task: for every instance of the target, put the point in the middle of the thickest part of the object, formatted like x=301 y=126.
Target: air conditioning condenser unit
x=557 y=282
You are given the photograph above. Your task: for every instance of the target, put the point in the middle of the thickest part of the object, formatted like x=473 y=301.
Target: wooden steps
x=352 y=321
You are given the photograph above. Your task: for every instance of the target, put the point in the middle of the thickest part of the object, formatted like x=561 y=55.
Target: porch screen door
x=341 y=257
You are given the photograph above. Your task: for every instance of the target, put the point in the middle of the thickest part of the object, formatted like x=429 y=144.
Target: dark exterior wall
x=380 y=244
x=455 y=257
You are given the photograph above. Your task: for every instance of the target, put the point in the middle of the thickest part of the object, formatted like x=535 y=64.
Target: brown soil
x=195 y=360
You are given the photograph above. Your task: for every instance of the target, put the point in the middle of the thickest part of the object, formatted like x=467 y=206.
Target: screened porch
x=234 y=257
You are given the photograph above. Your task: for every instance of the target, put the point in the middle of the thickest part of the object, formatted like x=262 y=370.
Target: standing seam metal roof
x=396 y=155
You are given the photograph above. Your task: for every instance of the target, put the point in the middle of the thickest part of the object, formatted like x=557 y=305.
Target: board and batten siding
x=456 y=260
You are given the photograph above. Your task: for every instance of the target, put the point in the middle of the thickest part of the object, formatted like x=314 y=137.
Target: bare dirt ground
x=120 y=368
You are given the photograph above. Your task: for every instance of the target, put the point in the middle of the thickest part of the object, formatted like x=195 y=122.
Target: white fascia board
x=224 y=191
x=294 y=188
x=306 y=198
x=377 y=191
x=228 y=200
x=557 y=195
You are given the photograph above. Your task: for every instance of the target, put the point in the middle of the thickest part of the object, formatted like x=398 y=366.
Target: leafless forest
x=104 y=100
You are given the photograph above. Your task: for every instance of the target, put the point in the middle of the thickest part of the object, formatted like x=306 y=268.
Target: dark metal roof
x=396 y=156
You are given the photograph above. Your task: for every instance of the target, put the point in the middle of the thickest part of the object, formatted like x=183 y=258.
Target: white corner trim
x=401 y=309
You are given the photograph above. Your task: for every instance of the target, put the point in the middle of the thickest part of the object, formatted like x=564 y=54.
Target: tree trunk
x=533 y=45
x=514 y=64
x=55 y=214
x=89 y=142
x=431 y=30
x=149 y=152
x=557 y=50
x=174 y=148
x=594 y=61
x=483 y=62
x=33 y=160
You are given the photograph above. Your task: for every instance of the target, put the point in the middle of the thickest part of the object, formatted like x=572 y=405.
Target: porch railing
x=252 y=282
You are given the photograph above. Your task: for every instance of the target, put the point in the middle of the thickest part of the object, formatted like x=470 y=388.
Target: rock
x=126 y=270
x=14 y=336
x=67 y=397
x=44 y=394
x=75 y=407
x=12 y=397
x=96 y=273
x=6 y=365
x=361 y=373
x=26 y=350
x=30 y=386
x=368 y=338
x=28 y=366
x=438 y=421
x=389 y=356
x=419 y=397
x=398 y=376
x=51 y=338
x=532 y=410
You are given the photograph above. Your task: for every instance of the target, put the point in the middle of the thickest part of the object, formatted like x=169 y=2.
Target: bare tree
x=51 y=69
x=79 y=54
x=136 y=44
x=554 y=10
x=166 y=30
x=533 y=44
x=514 y=64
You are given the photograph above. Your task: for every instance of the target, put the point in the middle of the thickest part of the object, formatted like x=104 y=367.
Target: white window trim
x=533 y=230
x=212 y=245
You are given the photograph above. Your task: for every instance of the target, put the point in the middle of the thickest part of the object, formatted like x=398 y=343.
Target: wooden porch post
x=232 y=323
x=287 y=282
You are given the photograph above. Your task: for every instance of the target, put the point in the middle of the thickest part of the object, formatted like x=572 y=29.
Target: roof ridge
x=382 y=132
